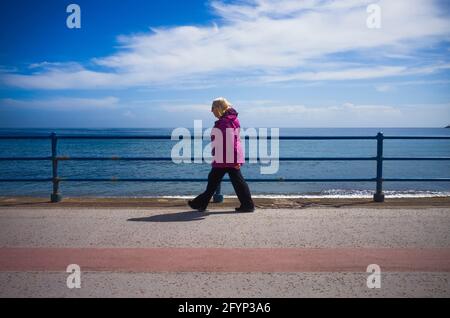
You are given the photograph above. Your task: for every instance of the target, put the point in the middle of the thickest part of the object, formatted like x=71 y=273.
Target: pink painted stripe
x=225 y=259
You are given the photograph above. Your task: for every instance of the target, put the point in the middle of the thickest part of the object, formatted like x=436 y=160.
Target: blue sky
x=284 y=63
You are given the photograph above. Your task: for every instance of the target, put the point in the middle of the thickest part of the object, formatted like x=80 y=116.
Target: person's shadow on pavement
x=180 y=216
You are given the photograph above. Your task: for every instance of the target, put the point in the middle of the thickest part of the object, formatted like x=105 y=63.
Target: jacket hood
x=230 y=114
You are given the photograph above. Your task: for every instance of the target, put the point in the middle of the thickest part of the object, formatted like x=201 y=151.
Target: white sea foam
x=331 y=194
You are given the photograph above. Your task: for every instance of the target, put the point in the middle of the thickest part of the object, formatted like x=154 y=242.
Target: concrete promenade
x=310 y=250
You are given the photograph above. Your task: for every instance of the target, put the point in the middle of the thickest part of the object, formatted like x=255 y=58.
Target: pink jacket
x=229 y=127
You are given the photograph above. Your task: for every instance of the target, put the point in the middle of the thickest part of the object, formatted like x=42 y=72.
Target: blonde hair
x=221 y=105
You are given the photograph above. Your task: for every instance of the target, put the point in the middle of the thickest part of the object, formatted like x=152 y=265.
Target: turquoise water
x=151 y=148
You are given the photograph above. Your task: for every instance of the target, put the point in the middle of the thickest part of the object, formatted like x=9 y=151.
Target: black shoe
x=193 y=207
x=245 y=210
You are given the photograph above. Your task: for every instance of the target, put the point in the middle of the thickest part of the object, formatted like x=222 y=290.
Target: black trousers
x=215 y=177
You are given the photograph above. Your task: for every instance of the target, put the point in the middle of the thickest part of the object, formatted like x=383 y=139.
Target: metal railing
x=378 y=179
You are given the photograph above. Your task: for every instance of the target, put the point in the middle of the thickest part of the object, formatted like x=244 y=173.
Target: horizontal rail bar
x=24 y=158
x=268 y=180
x=417 y=137
x=204 y=180
x=118 y=137
x=247 y=137
x=25 y=137
x=417 y=180
x=199 y=137
x=248 y=159
x=416 y=159
x=62 y=179
x=27 y=180
x=66 y=158
x=192 y=159
x=323 y=158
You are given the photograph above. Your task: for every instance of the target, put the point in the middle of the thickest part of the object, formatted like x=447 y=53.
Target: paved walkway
x=168 y=252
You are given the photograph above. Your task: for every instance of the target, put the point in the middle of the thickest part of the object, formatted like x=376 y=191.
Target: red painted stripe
x=225 y=259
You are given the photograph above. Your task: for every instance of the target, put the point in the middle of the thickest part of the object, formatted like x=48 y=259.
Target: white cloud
x=272 y=113
x=62 y=103
x=319 y=111
x=384 y=88
x=345 y=115
x=129 y=114
x=268 y=40
x=50 y=65
x=199 y=108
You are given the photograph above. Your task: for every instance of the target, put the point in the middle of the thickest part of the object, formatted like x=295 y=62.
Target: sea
x=287 y=148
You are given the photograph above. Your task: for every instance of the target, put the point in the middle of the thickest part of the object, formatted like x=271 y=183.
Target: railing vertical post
x=55 y=197
x=379 y=195
x=218 y=197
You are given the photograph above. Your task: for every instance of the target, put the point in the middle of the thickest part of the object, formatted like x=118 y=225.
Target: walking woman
x=227 y=158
